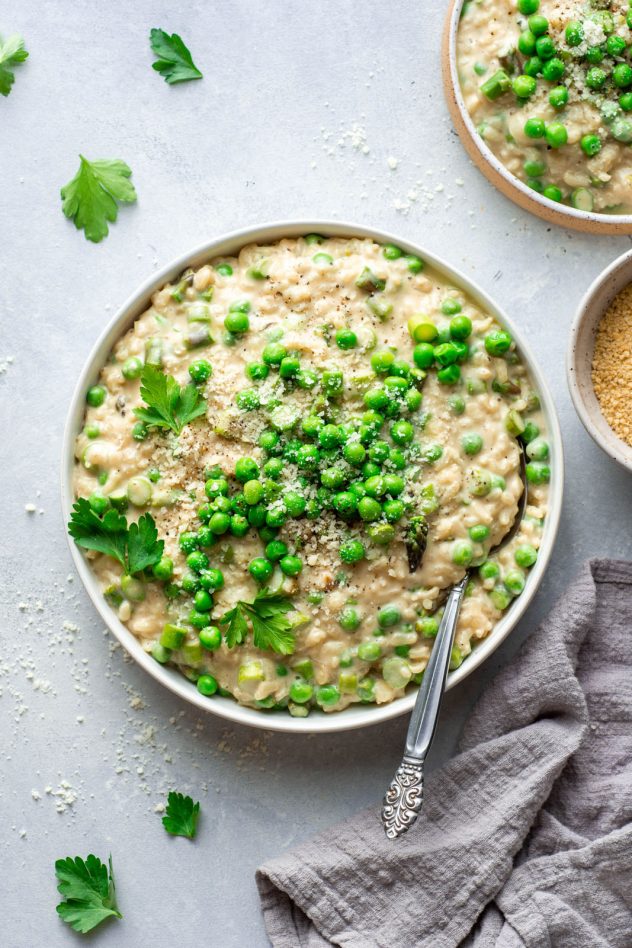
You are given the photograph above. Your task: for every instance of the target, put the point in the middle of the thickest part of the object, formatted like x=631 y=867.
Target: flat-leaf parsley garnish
x=88 y=891
x=181 y=815
x=136 y=546
x=12 y=52
x=174 y=62
x=90 y=199
x=169 y=405
x=266 y=616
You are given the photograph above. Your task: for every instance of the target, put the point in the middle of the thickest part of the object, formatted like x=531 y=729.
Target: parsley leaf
x=12 y=52
x=174 y=61
x=271 y=629
x=88 y=892
x=181 y=816
x=169 y=405
x=135 y=546
x=91 y=197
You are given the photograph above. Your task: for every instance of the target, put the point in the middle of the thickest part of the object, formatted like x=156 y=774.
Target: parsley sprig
x=136 y=546
x=89 y=896
x=90 y=199
x=174 y=62
x=169 y=405
x=181 y=815
x=266 y=616
x=12 y=52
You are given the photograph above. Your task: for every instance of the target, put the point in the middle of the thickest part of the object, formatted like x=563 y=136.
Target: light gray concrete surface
x=300 y=109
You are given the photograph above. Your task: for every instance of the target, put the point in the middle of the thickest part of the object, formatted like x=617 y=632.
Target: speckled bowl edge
x=354 y=716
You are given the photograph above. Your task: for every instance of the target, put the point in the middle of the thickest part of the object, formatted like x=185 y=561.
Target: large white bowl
x=494 y=170
x=354 y=716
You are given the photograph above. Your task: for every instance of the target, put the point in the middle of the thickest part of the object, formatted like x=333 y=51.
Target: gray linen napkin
x=525 y=838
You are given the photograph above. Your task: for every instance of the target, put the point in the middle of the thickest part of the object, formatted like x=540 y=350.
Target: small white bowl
x=356 y=715
x=579 y=357
x=494 y=170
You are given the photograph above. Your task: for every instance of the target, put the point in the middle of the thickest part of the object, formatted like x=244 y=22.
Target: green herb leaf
x=143 y=546
x=181 y=815
x=90 y=199
x=174 y=61
x=88 y=891
x=169 y=405
x=135 y=546
x=12 y=52
x=237 y=626
x=271 y=629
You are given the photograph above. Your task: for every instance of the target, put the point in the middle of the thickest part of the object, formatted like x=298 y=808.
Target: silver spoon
x=404 y=797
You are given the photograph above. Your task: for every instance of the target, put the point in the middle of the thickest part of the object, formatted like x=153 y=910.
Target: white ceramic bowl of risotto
x=494 y=170
x=356 y=715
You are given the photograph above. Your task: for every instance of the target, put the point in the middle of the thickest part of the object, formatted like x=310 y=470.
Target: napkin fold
x=525 y=837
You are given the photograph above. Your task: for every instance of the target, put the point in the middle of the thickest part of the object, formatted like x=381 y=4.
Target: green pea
x=199 y=620
x=462 y=553
x=224 y=269
x=525 y=555
x=352 y=551
x=415 y=264
x=274 y=517
x=449 y=375
x=422 y=329
x=301 y=691
x=538 y=449
x=323 y=259
x=354 y=453
x=538 y=473
x=391 y=252
x=489 y=570
x=306 y=378
x=552 y=192
x=534 y=128
x=253 y=492
x=445 y=353
x=327 y=695
x=274 y=353
x=538 y=24
x=528 y=7
x=428 y=626
x=291 y=565
x=219 y=524
x=388 y=616
x=460 y=327
x=289 y=367
x=346 y=339
x=497 y=342
x=615 y=45
x=246 y=469
x=210 y=638
x=236 y=322
x=423 y=355
x=456 y=404
x=330 y=436
x=295 y=503
x=207 y=685
x=369 y=651
x=524 y=86
x=595 y=54
x=431 y=453
x=553 y=70
x=558 y=98
x=95 y=396
x=369 y=509
x=479 y=532
x=514 y=581
x=332 y=382
x=533 y=66
x=397 y=459
x=556 y=134
x=394 y=510
x=350 y=618
x=526 y=43
x=163 y=569
x=471 y=443
x=247 y=400
x=257 y=371
x=381 y=362
x=260 y=569
x=211 y=579
x=402 y=432
x=132 y=367
x=625 y=101
x=595 y=78
x=574 y=33
x=239 y=525
x=203 y=601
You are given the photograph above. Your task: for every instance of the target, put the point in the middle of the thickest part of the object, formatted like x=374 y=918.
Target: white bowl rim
x=353 y=716
x=487 y=154
x=613 y=446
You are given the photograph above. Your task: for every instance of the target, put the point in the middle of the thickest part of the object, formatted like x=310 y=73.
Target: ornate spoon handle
x=403 y=799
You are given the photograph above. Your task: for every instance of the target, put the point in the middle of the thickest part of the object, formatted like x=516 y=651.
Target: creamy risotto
x=289 y=459
x=548 y=84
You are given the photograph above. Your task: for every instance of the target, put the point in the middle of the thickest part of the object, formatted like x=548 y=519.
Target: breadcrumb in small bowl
x=599 y=361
